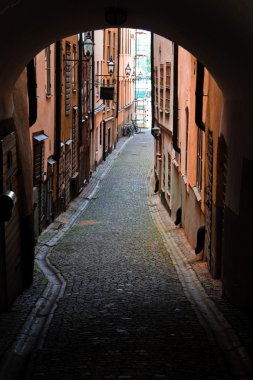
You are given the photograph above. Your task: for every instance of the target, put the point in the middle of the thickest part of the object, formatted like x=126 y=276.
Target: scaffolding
x=143 y=78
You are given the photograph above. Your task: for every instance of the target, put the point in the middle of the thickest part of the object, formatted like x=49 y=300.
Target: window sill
x=184 y=179
x=174 y=161
x=197 y=193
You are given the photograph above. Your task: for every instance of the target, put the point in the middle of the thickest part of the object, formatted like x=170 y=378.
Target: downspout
x=135 y=58
x=80 y=86
x=58 y=91
x=152 y=84
x=118 y=57
x=199 y=96
x=92 y=88
x=175 y=99
x=104 y=140
x=3 y=274
x=32 y=92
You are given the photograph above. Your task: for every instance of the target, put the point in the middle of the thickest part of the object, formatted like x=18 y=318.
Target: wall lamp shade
x=7 y=203
x=155 y=132
x=88 y=45
x=128 y=70
x=115 y=16
x=111 y=66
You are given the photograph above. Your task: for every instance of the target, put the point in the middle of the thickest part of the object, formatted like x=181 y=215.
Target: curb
x=16 y=360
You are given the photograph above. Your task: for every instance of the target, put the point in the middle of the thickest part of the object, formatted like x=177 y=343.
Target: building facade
x=163 y=117
x=70 y=105
x=190 y=154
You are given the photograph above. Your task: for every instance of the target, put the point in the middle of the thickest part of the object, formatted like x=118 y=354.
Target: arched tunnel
x=219 y=34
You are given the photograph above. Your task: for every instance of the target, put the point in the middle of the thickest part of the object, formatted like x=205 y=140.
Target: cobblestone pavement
x=124 y=313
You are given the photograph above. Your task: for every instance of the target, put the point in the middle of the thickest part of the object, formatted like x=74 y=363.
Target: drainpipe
x=32 y=92
x=92 y=88
x=152 y=84
x=104 y=140
x=175 y=100
x=58 y=91
x=199 y=96
x=80 y=87
x=117 y=99
x=118 y=56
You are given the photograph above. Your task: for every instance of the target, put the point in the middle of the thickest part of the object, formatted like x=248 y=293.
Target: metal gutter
x=199 y=96
x=175 y=100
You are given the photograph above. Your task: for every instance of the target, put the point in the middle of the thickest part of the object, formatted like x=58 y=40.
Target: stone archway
x=220 y=34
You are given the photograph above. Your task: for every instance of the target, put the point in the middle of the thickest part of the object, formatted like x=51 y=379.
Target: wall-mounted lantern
x=88 y=46
x=128 y=70
x=111 y=66
x=155 y=132
x=7 y=203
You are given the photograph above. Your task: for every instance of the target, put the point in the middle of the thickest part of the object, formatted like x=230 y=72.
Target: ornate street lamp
x=111 y=66
x=128 y=70
x=88 y=45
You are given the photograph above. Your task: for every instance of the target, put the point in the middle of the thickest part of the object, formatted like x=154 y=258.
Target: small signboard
x=106 y=93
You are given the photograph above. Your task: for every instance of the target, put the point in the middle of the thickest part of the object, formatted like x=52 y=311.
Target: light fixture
x=128 y=70
x=111 y=66
x=155 y=132
x=7 y=203
x=115 y=16
x=88 y=45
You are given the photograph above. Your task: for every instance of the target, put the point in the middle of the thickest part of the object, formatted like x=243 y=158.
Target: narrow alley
x=123 y=313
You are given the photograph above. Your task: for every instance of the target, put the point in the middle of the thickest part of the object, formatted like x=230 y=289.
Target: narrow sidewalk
x=228 y=329
x=24 y=325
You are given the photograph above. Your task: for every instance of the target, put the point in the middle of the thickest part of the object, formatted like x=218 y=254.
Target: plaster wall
x=45 y=105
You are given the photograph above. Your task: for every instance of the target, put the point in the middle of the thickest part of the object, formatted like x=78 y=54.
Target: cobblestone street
x=124 y=313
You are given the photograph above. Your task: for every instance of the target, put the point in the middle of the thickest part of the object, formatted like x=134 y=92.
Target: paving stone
x=124 y=313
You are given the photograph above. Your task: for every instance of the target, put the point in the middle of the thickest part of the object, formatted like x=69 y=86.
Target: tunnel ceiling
x=218 y=32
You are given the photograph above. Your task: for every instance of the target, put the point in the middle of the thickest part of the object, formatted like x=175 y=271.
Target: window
x=164 y=166
x=100 y=134
x=199 y=159
x=167 y=87
x=74 y=138
x=74 y=81
x=169 y=173
x=107 y=102
x=156 y=90
x=108 y=45
x=168 y=74
x=186 y=139
x=114 y=47
x=48 y=71
x=161 y=105
x=67 y=78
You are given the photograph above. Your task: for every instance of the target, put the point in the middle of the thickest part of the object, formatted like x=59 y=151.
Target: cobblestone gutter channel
x=33 y=332
x=219 y=331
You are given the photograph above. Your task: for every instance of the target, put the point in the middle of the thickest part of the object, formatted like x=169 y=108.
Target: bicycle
x=135 y=127
x=128 y=130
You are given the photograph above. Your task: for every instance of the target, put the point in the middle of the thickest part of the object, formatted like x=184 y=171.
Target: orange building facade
x=190 y=157
x=42 y=139
x=163 y=117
